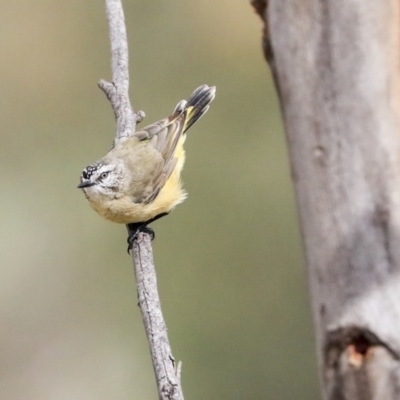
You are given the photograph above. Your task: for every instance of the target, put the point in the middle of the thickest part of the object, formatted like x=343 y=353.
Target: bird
x=139 y=179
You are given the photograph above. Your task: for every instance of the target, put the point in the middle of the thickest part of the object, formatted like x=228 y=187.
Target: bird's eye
x=104 y=175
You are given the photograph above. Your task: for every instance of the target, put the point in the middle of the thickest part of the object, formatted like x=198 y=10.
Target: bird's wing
x=163 y=137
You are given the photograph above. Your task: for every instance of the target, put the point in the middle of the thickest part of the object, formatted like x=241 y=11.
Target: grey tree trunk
x=336 y=67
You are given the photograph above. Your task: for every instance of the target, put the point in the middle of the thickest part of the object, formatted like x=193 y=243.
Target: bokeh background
x=229 y=260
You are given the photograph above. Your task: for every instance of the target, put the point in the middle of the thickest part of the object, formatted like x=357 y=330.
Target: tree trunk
x=336 y=68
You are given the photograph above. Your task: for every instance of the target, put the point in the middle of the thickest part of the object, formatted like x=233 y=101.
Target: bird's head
x=101 y=179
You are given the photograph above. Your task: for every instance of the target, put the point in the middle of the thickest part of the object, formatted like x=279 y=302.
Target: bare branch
x=335 y=65
x=168 y=378
x=118 y=90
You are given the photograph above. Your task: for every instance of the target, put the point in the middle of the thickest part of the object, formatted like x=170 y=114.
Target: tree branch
x=335 y=65
x=118 y=90
x=167 y=376
x=167 y=373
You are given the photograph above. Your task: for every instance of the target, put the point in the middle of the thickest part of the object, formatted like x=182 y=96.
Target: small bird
x=138 y=181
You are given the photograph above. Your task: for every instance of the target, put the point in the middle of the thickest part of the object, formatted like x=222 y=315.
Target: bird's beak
x=85 y=184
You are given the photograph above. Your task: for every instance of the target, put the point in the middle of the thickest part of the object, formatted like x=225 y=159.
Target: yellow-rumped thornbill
x=138 y=181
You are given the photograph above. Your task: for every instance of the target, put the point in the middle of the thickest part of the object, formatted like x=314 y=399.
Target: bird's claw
x=133 y=235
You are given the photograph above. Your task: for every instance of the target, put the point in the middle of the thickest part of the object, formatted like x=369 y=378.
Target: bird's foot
x=148 y=230
x=134 y=230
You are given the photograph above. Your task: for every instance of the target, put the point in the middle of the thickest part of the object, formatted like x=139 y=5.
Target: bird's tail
x=197 y=105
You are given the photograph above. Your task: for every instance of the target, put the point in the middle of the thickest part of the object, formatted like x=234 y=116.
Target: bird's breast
x=124 y=210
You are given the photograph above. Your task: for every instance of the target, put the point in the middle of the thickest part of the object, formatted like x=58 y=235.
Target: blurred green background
x=229 y=260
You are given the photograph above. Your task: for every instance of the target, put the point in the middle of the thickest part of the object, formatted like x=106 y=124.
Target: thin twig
x=168 y=378
x=117 y=91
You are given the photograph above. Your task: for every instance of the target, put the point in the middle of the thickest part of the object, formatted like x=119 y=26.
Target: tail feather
x=197 y=105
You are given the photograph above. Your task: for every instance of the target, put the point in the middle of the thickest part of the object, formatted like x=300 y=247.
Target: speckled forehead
x=90 y=170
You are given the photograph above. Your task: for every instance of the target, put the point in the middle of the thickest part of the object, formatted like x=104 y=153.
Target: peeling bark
x=336 y=69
